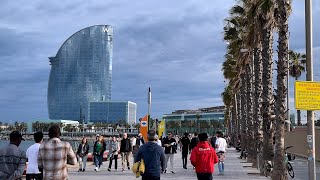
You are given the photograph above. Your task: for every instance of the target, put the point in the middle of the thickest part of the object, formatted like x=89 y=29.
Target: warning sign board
x=307 y=95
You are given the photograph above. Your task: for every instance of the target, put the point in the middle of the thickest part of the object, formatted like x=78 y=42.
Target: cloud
x=175 y=47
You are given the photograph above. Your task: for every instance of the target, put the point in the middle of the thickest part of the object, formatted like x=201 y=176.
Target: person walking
x=203 y=157
x=213 y=141
x=33 y=171
x=125 y=150
x=114 y=148
x=54 y=155
x=153 y=157
x=82 y=154
x=185 y=143
x=98 y=149
x=139 y=141
x=194 y=141
x=170 y=148
x=12 y=158
x=158 y=140
x=221 y=145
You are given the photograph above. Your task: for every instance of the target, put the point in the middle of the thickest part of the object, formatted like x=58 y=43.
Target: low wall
x=298 y=139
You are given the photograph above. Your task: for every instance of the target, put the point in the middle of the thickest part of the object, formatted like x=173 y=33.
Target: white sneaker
x=96 y=169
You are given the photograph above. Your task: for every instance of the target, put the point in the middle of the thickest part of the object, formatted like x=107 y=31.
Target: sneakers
x=172 y=172
x=123 y=170
x=109 y=169
x=79 y=170
x=96 y=169
x=128 y=168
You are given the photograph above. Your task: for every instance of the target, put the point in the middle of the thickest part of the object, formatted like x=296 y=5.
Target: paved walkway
x=234 y=169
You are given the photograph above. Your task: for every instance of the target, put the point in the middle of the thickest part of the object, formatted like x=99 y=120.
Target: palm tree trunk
x=267 y=95
x=235 y=119
x=257 y=99
x=243 y=114
x=238 y=99
x=280 y=170
x=250 y=134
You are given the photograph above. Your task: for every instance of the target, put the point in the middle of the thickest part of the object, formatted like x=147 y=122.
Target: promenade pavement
x=234 y=169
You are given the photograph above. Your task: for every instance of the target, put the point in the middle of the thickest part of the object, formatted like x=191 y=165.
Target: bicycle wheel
x=267 y=169
x=290 y=170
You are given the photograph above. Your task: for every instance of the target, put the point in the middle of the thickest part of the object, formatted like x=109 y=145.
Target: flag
x=144 y=127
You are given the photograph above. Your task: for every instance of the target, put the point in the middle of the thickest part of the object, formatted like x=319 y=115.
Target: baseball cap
x=97 y=135
x=16 y=134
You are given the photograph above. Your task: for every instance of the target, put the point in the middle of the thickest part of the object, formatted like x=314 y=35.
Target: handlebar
x=288 y=147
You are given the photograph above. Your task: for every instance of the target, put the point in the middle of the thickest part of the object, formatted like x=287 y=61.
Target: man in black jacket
x=125 y=150
x=185 y=143
x=153 y=157
x=170 y=148
x=194 y=141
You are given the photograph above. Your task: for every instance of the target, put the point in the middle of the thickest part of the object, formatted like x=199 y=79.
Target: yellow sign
x=307 y=95
x=161 y=128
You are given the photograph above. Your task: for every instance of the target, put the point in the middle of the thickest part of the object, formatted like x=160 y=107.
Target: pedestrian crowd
x=50 y=159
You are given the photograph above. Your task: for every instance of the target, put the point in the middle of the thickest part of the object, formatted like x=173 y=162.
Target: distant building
x=293 y=119
x=112 y=112
x=80 y=79
x=80 y=72
x=187 y=120
x=37 y=125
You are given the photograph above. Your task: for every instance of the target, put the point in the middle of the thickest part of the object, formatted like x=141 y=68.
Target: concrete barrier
x=298 y=139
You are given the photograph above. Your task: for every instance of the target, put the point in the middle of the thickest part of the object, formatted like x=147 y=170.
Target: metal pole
x=288 y=99
x=149 y=107
x=310 y=116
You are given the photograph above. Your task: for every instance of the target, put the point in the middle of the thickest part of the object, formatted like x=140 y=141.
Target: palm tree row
x=258 y=106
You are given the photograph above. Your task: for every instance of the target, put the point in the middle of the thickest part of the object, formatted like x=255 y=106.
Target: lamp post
x=198 y=116
x=310 y=115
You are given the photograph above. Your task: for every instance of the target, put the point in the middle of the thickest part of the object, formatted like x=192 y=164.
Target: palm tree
x=227 y=100
x=267 y=21
x=282 y=16
x=297 y=63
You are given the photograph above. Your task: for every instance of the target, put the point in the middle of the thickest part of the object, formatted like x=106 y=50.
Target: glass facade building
x=112 y=112
x=80 y=73
x=210 y=120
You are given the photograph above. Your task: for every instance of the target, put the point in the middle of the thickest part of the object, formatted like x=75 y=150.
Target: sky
x=174 y=47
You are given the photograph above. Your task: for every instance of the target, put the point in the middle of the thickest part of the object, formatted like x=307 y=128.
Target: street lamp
x=198 y=116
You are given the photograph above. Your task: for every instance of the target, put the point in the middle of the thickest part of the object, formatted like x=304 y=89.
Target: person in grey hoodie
x=114 y=148
x=153 y=157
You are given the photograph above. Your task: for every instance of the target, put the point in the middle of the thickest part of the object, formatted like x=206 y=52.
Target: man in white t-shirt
x=221 y=145
x=33 y=171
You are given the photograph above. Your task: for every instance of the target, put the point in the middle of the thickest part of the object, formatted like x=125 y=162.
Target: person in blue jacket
x=153 y=157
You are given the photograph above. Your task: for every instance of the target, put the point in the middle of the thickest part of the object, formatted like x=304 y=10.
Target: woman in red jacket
x=203 y=157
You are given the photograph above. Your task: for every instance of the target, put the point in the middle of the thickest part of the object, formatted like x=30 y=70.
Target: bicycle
x=268 y=165
x=289 y=157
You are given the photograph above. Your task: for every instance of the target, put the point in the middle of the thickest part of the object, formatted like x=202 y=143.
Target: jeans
x=221 y=157
x=221 y=167
x=184 y=159
x=83 y=162
x=204 y=176
x=98 y=160
x=115 y=157
x=169 y=156
x=125 y=159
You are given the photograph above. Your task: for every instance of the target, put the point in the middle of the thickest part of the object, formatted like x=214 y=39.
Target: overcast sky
x=175 y=47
